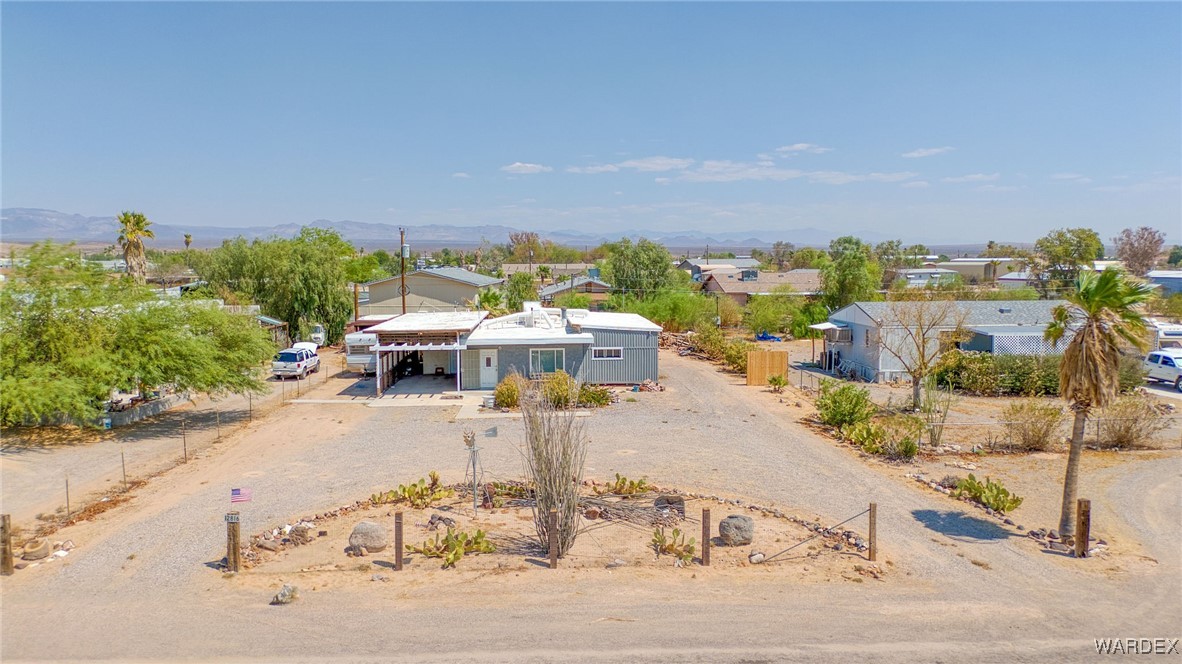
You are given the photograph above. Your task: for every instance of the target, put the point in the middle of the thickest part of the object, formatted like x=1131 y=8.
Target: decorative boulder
x=286 y=595
x=36 y=549
x=736 y=530
x=368 y=535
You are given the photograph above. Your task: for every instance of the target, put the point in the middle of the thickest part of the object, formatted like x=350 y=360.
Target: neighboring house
x=1169 y=281
x=695 y=266
x=1019 y=279
x=435 y=289
x=596 y=290
x=854 y=343
x=981 y=270
x=920 y=277
x=556 y=269
x=740 y=285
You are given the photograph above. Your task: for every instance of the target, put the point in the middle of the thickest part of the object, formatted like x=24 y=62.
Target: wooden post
x=398 y=541
x=282 y=389
x=706 y=537
x=553 y=533
x=6 y=568
x=67 y=495
x=249 y=407
x=233 y=551
x=1083 y=527
x=873 y=532
x=123 y=460
x=217 y=414
x=185 y=439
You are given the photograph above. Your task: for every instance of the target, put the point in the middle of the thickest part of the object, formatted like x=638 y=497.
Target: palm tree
x=188 y=240
x=133 y=228
x=1102 y=310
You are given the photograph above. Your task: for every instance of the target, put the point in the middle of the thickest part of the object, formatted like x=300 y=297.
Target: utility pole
x=403 y=253
x=356 y=299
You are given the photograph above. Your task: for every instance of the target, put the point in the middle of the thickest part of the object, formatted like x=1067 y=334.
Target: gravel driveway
x=139 y=587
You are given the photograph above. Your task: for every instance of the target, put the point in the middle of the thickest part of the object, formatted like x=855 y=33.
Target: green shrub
x=1016 y=375
x=777 y=382
x=674 y=545
x=841 y=404
x=990 y=494
x=508 y=391
x=560 y=389
x=1131 y=374
x=1031 y=424
x=901 y=435
x=735 y=354
x=594 y=396
x=709 y=341
x=453 y=546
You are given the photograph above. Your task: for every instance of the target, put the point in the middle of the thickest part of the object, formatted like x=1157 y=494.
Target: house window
x=607 y=353
x=546 y=360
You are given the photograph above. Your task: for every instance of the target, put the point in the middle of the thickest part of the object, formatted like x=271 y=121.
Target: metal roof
x=557 y=288
x=975 y=312
x=733 y=262
x=602 y=320
x=453 y=273
x=1009 y=330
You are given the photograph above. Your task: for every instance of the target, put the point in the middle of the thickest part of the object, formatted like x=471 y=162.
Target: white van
x=359 y=355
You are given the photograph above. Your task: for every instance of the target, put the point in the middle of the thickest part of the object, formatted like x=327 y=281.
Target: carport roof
x=431 y=321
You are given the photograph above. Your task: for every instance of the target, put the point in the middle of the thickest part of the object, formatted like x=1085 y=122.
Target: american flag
x=239 y=495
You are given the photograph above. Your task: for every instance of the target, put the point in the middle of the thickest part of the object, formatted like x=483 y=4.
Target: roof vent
x=1005 y=310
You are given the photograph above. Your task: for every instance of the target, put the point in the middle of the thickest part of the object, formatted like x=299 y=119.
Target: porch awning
x=411 y=347
x=826 y=326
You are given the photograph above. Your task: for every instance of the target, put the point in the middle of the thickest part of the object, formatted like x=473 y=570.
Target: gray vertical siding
x=638 y=364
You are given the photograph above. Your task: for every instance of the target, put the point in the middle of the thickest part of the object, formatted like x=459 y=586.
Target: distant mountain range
x=33 y=224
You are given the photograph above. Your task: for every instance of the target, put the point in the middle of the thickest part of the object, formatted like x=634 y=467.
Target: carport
x=434 y=339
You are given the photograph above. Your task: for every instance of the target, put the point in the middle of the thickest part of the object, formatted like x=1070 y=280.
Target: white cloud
x=996 y=187
x=656 y=164
x=975 y=177
x=927 y=152
x=662 y=180
x=1071 y=177
x=917 y=184
x=1167 y=183
x=734 y=171
x=600 y=168
x=798 y=148
x=461 y=175
x=521 y=168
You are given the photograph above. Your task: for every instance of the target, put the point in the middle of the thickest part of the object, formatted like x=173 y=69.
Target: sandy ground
x=142 y=584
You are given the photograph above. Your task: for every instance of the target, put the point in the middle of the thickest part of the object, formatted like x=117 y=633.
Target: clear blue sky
x=928 y=121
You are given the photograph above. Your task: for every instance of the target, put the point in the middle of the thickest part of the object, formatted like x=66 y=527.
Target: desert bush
x=555 y=452
x=454 y=546
x=777 y=382
x=560 y=389
x=901 y=435
x=419 y=494
x=950 y=481
x=594 y=396
x=508 y=391
x=623 y=486
x=735 y=354
x=674 y=544
x=1130 y=421
x=709 y=341
x=1131 y=374
x=840 y=404
x=1031 y=424
x=990 y=494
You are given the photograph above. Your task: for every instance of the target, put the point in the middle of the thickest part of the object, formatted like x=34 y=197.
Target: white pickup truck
x=299 y=361
x=1165 y=365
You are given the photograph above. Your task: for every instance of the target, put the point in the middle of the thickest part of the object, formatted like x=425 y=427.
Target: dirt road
x=139 y=587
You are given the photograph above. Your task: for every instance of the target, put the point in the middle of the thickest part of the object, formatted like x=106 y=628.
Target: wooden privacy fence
x=764 y=363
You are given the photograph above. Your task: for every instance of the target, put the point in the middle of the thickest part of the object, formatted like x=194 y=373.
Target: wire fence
x=101 y=472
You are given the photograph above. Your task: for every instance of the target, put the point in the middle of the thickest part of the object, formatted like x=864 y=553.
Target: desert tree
x=188 y=240
x=133 y=229
x=916 y=330
x=555 y=452
x=1104 y=309
x=1138 y=248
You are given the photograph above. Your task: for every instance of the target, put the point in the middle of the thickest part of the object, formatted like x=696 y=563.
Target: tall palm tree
x=1102 y=310
x=133 y=228
x=188 y=240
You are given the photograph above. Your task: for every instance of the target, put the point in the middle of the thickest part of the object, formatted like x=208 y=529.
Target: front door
x=488 y=369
